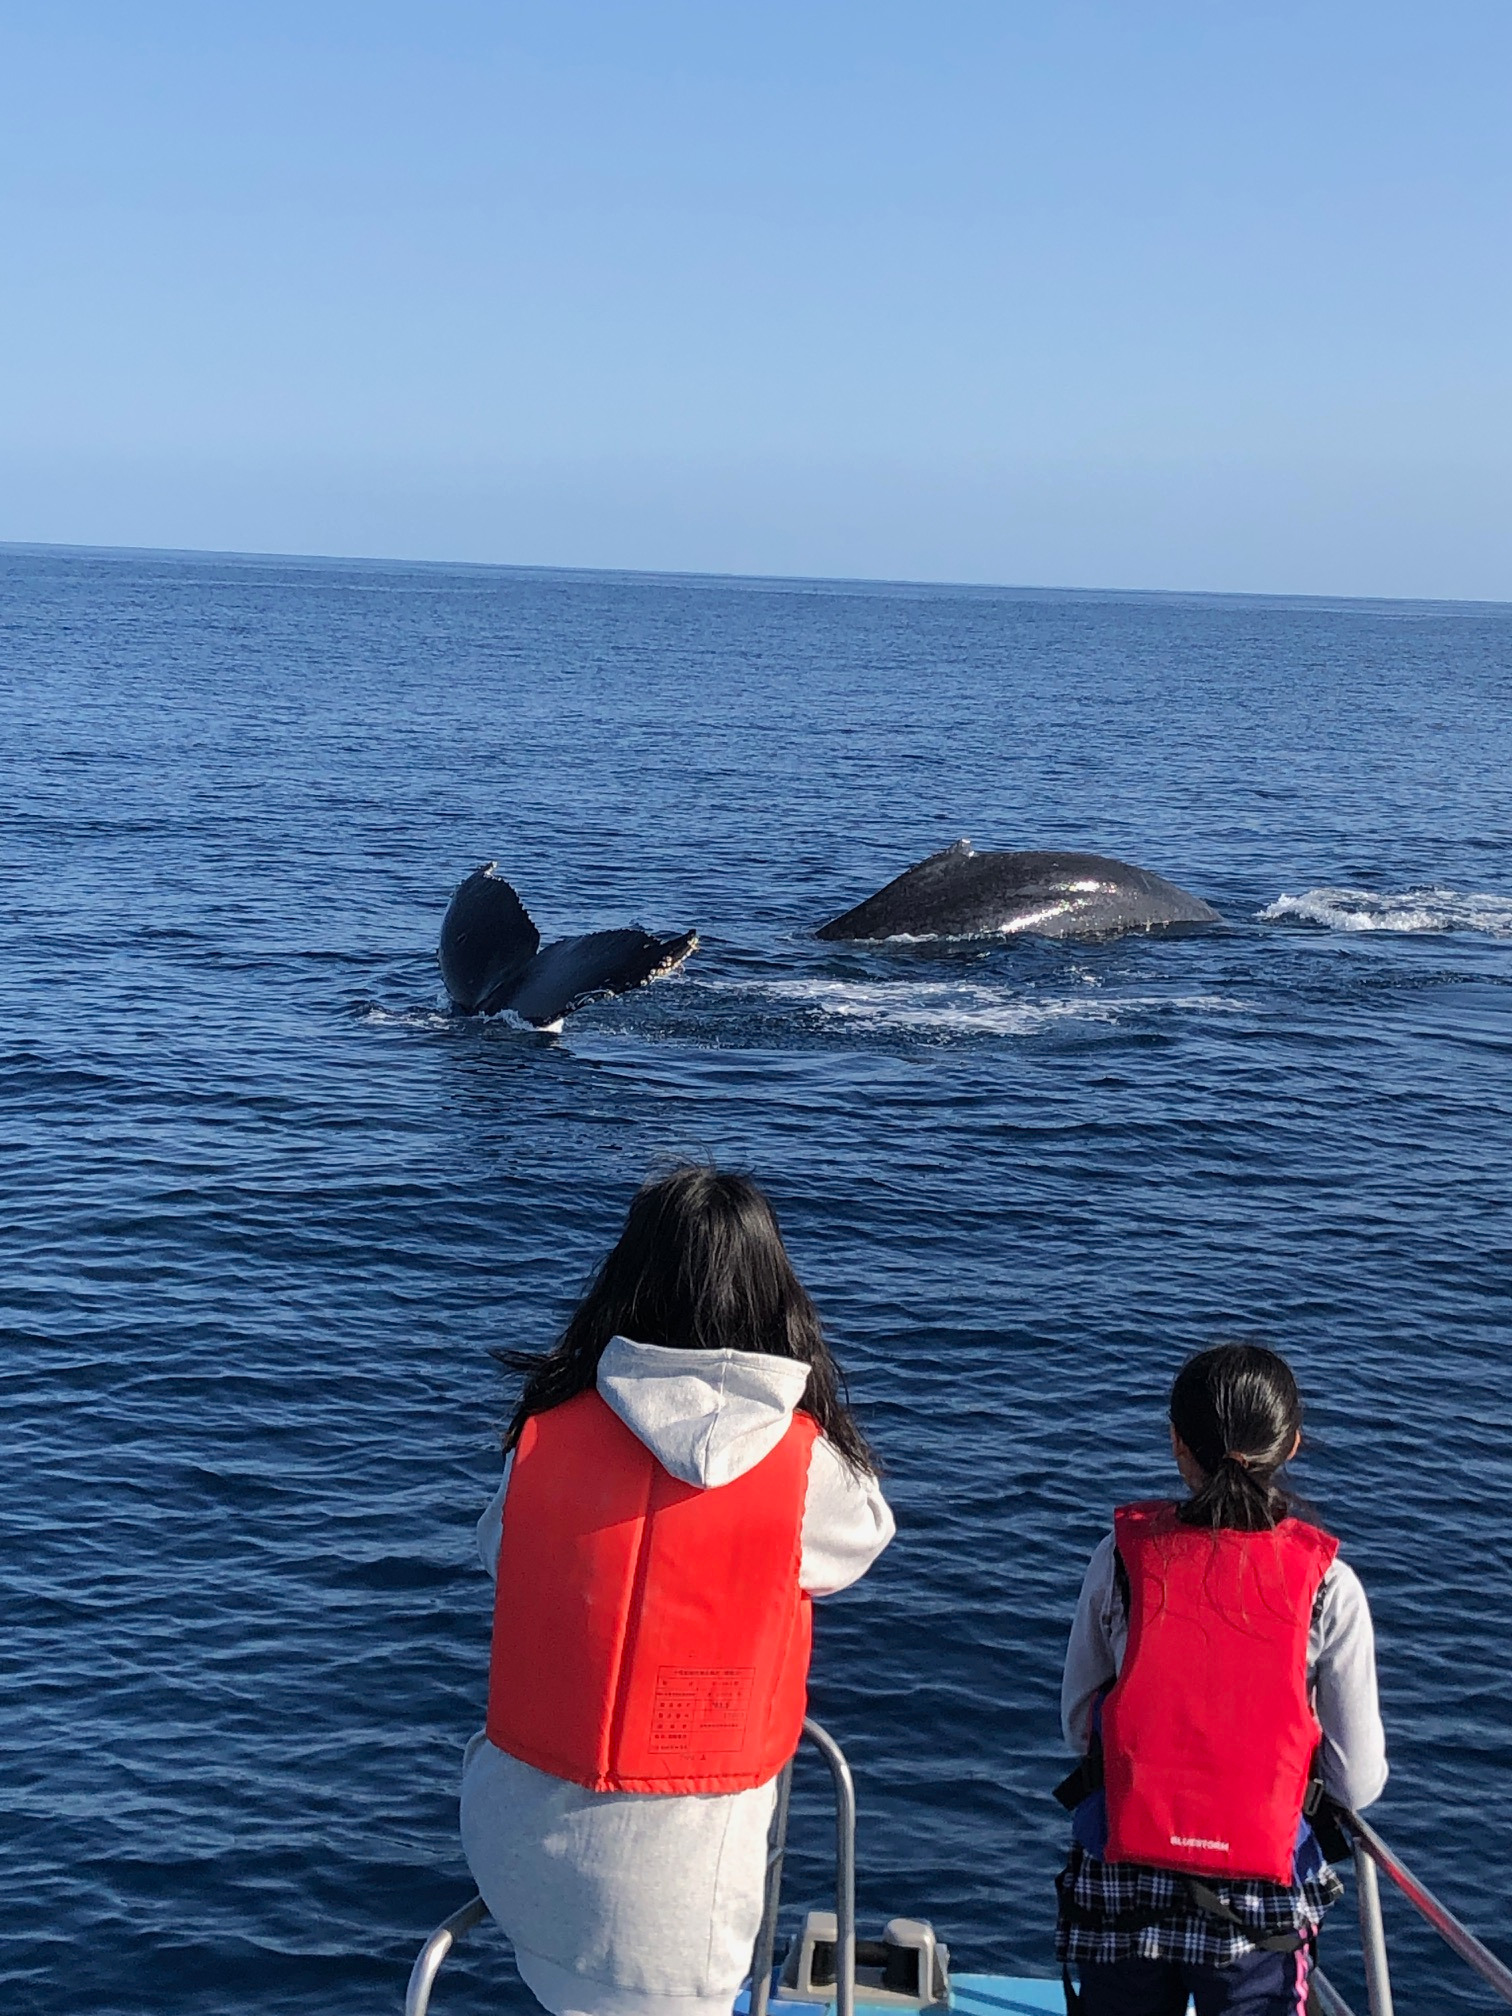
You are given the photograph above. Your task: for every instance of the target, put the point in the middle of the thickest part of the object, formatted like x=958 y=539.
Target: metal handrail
x=766 y=1938
x=845 y=1879
x=1322 y=1991
x=1371 y=1853
x=845 y=1865
x=428 y=1961
x=1378 y=1998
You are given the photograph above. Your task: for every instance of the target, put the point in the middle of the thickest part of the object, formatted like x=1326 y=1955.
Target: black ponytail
x=1238 y=1411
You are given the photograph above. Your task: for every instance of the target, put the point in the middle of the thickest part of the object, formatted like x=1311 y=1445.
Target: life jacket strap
x=1081 y=1783
x=1202 y=1897
x=1209 y=1901
x=1322 y=1816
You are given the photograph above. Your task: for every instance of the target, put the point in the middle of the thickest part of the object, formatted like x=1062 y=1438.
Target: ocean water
x=266 y=1206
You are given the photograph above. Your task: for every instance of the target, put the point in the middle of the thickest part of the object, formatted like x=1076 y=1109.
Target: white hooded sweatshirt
x=647 y=1904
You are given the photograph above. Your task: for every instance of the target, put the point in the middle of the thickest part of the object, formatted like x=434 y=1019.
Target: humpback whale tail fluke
x=959 y=893
x=491 y=956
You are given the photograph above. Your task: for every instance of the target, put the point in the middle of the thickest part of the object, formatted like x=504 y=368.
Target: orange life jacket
x=649 y=1636
x=1208 y=1733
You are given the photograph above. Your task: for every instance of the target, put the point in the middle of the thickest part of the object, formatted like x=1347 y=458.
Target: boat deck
x=970 y=1995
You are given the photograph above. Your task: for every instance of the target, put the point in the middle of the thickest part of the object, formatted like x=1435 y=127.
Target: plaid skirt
x=1125 y=1911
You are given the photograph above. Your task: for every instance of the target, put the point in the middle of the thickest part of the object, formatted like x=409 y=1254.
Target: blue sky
x=1209 y=296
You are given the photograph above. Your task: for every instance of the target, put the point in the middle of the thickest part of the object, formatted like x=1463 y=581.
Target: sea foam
x=970 y=1009
x=1429 y=908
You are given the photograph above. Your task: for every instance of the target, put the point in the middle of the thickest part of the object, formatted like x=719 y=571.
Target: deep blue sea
x=266 y=1205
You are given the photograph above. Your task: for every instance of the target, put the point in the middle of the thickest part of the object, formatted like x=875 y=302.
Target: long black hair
x=1237 y=1409
x=700 y=1265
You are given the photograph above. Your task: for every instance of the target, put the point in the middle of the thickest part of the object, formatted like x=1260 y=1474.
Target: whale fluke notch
x=959 y=893
x=491 y=956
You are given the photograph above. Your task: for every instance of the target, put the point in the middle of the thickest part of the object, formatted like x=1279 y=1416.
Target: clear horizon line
x=861 y=581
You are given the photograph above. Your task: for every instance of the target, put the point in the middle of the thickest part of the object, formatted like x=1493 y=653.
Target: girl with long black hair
x=682 y=1477
x=1220 y=1679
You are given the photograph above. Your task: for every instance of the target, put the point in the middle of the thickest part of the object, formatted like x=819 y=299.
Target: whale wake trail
x=1429 y=908
x=970 y=1009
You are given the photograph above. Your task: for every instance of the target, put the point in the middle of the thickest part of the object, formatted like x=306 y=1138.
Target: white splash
x=967 y=1009
x=378 y=1017
x=1423 y=909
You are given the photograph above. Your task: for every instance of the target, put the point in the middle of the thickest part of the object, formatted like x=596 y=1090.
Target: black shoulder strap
x=1081 y=1783
x=1322 y=1815
x=1121 y=1584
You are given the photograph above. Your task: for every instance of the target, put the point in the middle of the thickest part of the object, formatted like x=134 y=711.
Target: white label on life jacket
x=1196 y=1841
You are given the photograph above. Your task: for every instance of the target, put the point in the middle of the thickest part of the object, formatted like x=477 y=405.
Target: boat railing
x=1372 y=1857
x=428 y=1960
x=1370 y=1854
x=432 y=1954
x=845 y=1878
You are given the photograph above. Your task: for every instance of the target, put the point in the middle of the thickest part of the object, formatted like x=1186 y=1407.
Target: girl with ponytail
x=1220 y=1686
x=1236 y=1420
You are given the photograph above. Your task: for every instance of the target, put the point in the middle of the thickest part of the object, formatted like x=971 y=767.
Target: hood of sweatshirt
x=707 y=1416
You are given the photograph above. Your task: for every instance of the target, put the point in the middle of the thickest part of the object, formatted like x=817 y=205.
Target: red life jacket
x=1208 y=1733
x=648 y=1636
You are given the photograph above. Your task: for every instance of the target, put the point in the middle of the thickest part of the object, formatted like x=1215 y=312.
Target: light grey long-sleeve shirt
x=1341 y=1673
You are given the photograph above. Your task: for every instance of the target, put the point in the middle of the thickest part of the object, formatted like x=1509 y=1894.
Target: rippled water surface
x=266 y=1206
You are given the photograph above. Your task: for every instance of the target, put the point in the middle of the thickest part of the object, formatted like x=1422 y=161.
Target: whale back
x=959 y=893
